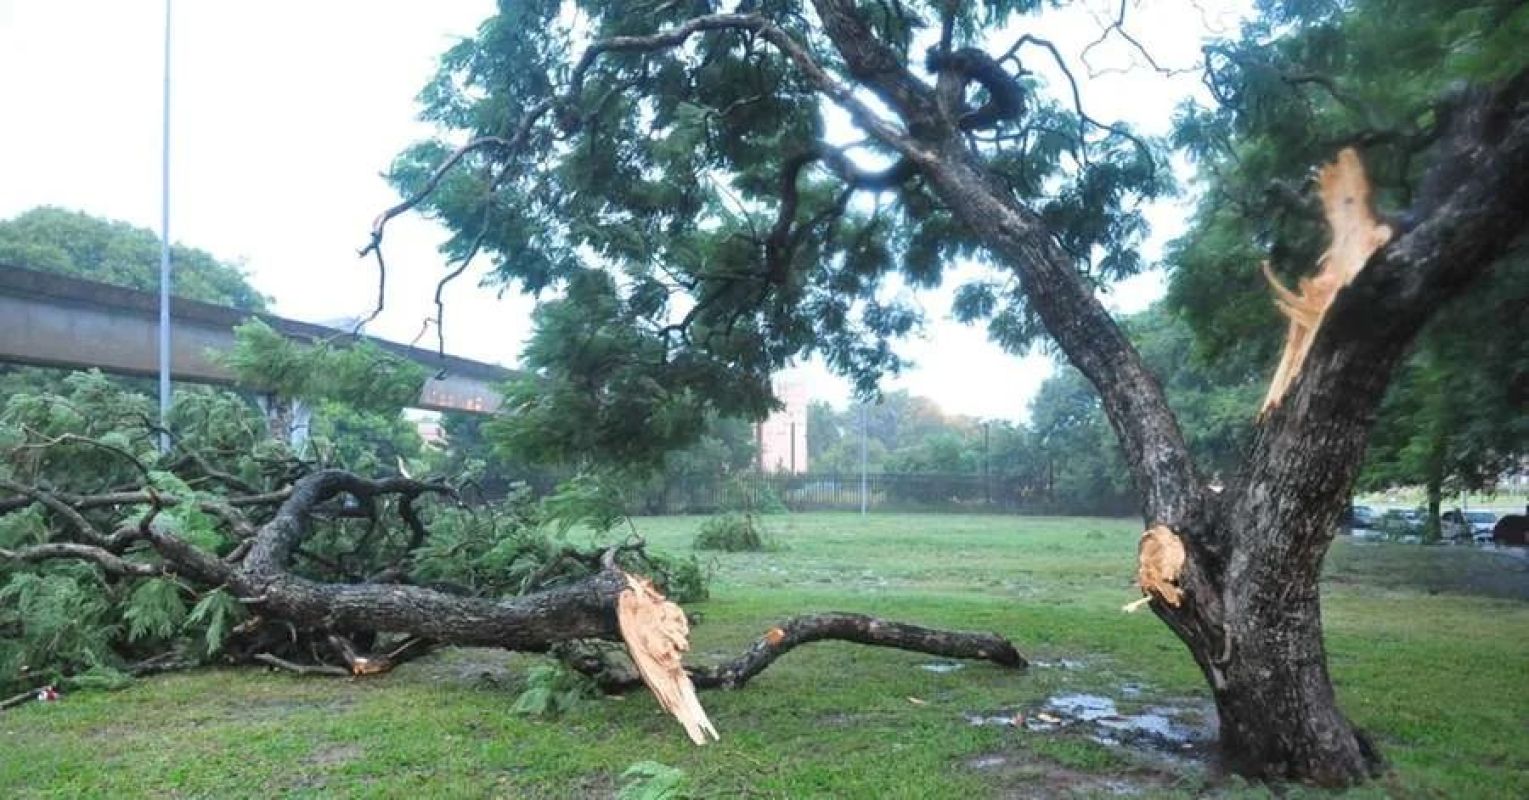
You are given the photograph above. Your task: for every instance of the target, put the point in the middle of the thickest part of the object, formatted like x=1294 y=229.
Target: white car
x=1481 y=523
x=1473 y=525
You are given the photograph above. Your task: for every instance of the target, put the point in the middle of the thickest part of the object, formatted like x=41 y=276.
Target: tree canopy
x=700 y=215
x=1301 y=80
x=77 y=244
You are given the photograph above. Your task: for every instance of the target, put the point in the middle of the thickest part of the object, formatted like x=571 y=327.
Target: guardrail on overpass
x=58 y=321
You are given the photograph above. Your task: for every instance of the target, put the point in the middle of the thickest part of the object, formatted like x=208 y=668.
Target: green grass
x=1433 y=667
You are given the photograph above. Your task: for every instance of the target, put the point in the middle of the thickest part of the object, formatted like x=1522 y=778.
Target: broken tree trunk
x=344 y=622
x=657 y=635
x=1356 y=234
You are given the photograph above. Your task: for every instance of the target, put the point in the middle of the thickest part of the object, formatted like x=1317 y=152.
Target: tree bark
x=1279 y=718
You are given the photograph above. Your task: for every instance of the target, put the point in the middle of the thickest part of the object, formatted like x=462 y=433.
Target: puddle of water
x=1061 y=663
x=1084 y=707
x=941 y=666
x=998 y=719
x=1158 y=730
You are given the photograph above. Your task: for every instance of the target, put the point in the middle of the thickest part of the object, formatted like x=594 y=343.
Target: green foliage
x=650 y=780
x=98 y=678
x=1299 y=82
x=683 y=579
x=731 y=532
x=361 y=375
x=79 y=245
x=591 y=500
x=645 y=223
x=54 y=623
x=64 y=618
x=216 y=614
x=154 y=610
x=553 y=690
x=1214 y=403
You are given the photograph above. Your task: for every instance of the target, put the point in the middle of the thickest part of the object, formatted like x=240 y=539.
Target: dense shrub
x=731 y=533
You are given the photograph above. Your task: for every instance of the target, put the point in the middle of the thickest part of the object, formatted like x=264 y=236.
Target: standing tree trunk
x=1433 y=530
x=1251 y=616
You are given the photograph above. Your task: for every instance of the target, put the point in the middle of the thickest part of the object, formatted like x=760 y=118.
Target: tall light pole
x=863 y=496
x=164 y=256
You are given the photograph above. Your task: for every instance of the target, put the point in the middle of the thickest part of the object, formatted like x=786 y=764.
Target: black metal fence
x=833 y=491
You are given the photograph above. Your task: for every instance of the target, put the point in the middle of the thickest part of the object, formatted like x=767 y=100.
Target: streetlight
x=164 y=256
x=863 y=497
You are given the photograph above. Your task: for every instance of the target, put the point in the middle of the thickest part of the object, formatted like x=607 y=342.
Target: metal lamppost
x=864 y=498
x=164 y=256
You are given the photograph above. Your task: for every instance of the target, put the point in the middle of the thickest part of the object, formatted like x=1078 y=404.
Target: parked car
x=1398 y=523
x=1453 y=526
x=1360 y=517
x=1481 y=523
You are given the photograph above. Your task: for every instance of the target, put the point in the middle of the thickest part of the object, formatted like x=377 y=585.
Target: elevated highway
x=58 y=321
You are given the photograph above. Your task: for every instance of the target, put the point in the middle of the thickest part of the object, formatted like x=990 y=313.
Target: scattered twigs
x=1118 y=27
x=300 y=669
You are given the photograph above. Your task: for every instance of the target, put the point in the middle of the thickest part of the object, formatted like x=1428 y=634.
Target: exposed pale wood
x=1160 y=559
x=657 y=637
x=1356 y=234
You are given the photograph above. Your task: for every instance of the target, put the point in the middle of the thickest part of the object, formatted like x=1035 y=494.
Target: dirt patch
x=333 y=754
x=476 y=667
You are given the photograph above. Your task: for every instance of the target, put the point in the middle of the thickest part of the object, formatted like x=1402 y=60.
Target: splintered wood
x=1356 y=234
x=1159 y=560
x=657 y=636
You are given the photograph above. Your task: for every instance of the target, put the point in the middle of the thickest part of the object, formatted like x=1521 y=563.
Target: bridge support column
x=287 y=419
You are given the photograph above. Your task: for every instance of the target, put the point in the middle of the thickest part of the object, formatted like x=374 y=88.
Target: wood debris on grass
x=1356 y=234
x=657 y=636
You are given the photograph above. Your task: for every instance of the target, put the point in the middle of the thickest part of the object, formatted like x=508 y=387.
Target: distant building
x=431 y=432
x=428 y=425
x=782 y=438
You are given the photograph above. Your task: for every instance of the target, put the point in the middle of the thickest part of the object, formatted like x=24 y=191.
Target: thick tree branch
x=797 y=631
x=1473 y=211
x=101 y=557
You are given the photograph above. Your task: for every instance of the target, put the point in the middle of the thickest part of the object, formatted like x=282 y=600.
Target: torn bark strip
x=1356 y=234
x=1160 y=558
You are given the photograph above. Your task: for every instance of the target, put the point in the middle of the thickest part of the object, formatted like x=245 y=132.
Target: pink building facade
x=782 y=438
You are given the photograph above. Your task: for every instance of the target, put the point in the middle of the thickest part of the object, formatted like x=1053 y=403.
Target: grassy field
x=1429 y=648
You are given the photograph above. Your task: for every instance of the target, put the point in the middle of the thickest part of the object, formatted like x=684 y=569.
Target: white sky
x=285 y=113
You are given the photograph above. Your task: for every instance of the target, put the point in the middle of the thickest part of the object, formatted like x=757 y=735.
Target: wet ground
x=1182 y=732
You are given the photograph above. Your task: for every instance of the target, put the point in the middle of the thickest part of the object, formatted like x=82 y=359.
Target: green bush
x=731 y=533
x=551 y=691
x=683 y=580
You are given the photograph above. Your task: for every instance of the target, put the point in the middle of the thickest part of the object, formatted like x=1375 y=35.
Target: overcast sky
x=285 y=113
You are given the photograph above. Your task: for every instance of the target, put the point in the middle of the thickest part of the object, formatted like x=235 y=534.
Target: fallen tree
x=364 y=624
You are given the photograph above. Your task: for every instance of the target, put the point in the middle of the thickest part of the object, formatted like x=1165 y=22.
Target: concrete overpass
x=52 y=320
